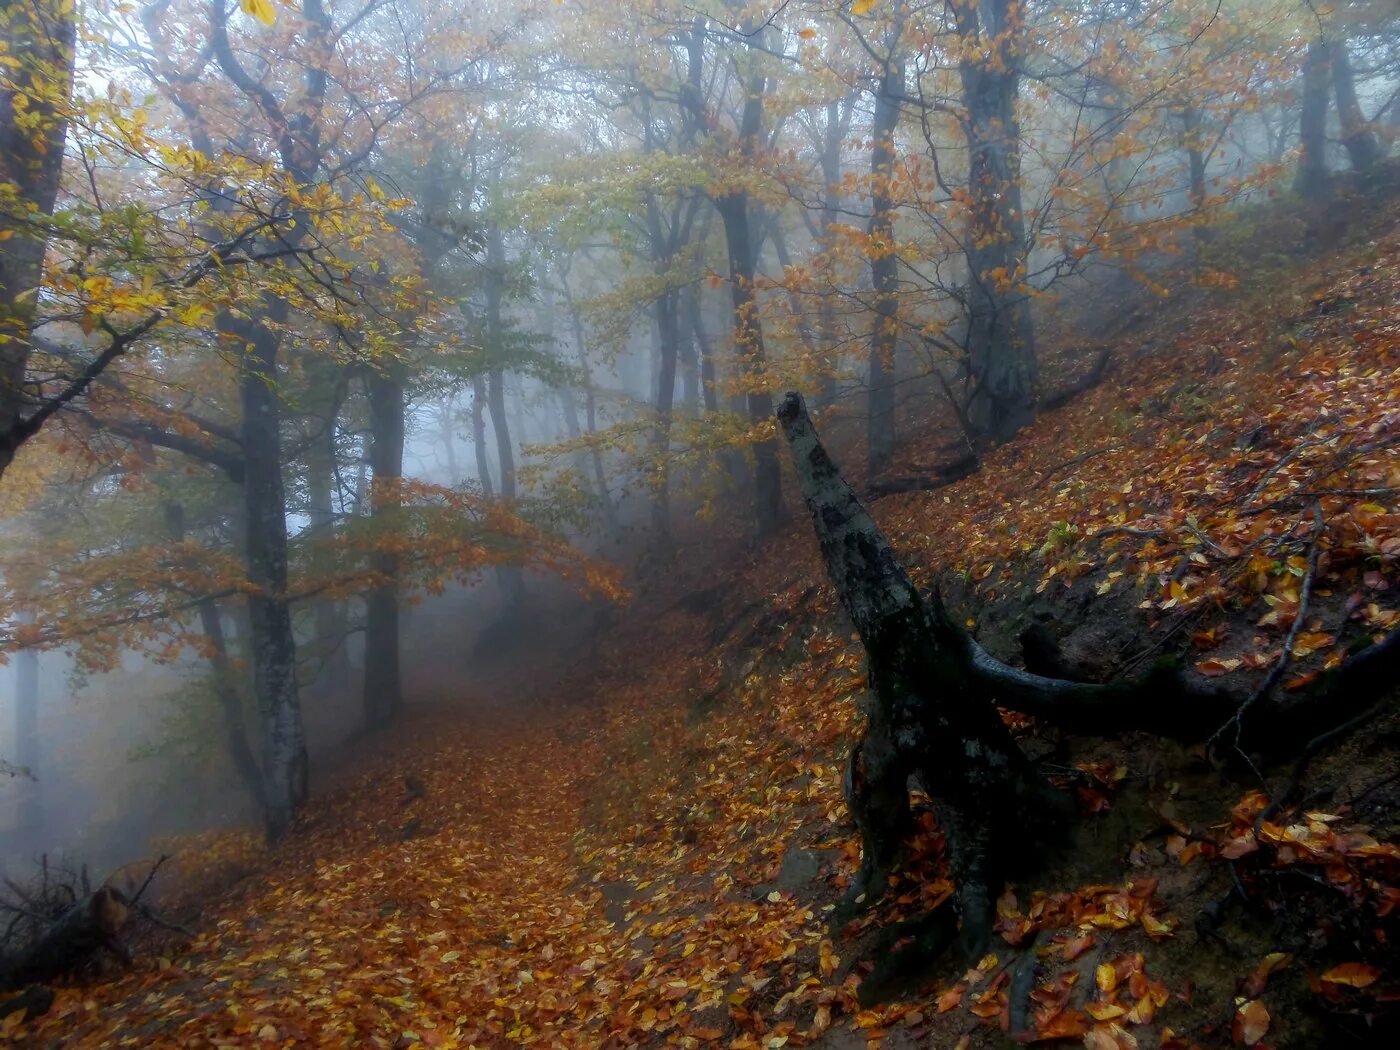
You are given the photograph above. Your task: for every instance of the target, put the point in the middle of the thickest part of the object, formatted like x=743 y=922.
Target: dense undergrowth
x=652 y=861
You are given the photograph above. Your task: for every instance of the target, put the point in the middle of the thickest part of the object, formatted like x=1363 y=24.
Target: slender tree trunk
x=448 y=433
x=748 y=345
x=590 y=408
x=831 y=211
x=1362 y=146
x=1311 y=179
x=695 y=321
x=285 y=764
x=383 y=695
x=329 y=624
x=1195 y=156
x=483 y=455
x=1000 y=334
x=37 y=38
x=28 y=745
x=511 y=582
x=689 y=366
x=884 y=269
x=225 y=681
x=668 y=340
x=230 y=698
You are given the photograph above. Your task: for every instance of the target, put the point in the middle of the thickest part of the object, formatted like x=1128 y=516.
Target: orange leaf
x=1355 y=974
x=1251 y=1022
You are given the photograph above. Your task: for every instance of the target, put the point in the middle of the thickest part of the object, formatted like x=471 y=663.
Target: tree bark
x=38 y=37
x=733 y=207
x=383 y=681
x=1362 y=146
x=836 y=122
x=28 y=744
x=226 y=691
x=590 y=409
x=929 y=717
x=273 y=645
x=508 y=576
x=1000 y=333
x=884 y=269
x=1311 y=180
x=329 y=614
x=668 y=346
x=483 y=456
x=695 y=321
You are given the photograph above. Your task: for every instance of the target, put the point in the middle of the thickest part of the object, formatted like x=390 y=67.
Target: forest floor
x=646 y=852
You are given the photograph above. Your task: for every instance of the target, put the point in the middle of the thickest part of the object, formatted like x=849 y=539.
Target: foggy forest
x=700 y=523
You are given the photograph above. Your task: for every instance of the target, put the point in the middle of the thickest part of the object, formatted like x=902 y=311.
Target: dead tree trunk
x=930 y=719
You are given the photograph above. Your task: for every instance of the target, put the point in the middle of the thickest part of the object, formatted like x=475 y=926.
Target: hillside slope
x=650 y=861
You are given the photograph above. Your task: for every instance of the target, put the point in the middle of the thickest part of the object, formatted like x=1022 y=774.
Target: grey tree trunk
x=1311 y=180
x=225 y=679
x=590 y=409
x=38 y=37
x=884 y=269
x=1000 y=332
x=831 y=212
x=329 y=615
x=1362 y=146
x=511 y=581
x=483 y=455
x=28 y=745
x=695 y=321
x=230 y=698
x=285 y=765
x=667 y=346
x=383 y=681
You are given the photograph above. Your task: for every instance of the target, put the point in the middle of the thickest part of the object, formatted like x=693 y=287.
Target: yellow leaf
x=861 y=7
x=262 y=10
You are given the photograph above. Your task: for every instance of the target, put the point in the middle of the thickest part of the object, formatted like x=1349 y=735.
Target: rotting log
x=929 y=718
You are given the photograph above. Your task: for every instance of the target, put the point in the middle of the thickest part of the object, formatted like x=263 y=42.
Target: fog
x=421 y=335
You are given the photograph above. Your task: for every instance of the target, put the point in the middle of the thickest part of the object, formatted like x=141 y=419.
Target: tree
x=36 y=40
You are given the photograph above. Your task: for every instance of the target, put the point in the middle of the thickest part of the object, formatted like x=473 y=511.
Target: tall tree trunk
x=1195 y=156
x=383 y=683
x=28 y=745
x=230 y=698
x=1311 y=180
x=739 y=235
x=1362 y=146
x=225 y=680
x=590 y=408
x=511 y=581
x=285 y=764
x=695 y=321
x=831 y=212
x=1000 y=332
x=668 y=345
x=748 y=345
x=329 y=622
x=448 y=433
x=37 y=37
x=884 y=269
x=483 y=455
x=689 y=366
